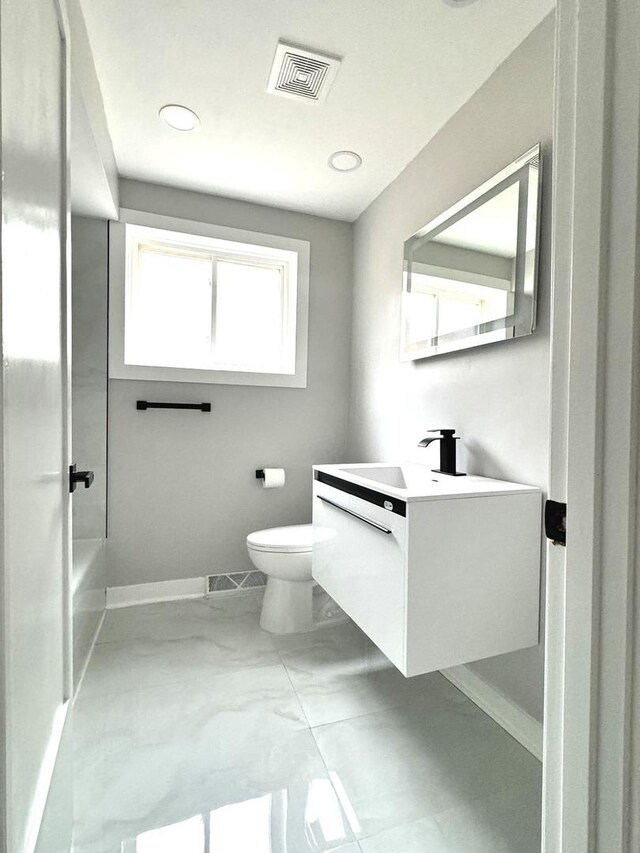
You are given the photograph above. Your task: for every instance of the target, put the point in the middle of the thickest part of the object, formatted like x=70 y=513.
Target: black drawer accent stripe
x=369 y=495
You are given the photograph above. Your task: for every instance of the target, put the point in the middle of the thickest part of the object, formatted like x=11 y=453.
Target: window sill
x=207 y=377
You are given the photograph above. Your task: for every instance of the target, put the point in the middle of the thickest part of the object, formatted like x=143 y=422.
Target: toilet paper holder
x=272 y=478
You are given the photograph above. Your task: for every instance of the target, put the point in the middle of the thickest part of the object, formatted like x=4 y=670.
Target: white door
x=34 y=618
x=591 y=752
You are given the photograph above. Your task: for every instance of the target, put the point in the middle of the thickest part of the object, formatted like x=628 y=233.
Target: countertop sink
x=388 y=475
x=413 y=481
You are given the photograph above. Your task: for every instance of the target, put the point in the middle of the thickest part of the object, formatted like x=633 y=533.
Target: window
x=208 y=305
x=440 y=306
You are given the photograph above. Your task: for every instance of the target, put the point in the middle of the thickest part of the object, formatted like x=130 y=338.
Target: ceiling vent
x=302 y=74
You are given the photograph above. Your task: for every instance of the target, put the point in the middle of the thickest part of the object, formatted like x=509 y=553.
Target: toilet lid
x=295 y=538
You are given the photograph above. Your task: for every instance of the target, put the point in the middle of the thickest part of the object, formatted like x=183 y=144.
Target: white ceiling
x=407 y=67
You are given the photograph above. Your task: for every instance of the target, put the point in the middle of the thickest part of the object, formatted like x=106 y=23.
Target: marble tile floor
x=196 y=732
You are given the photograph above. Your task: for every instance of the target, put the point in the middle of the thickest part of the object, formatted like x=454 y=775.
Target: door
x=35 y=614
x=591 y=761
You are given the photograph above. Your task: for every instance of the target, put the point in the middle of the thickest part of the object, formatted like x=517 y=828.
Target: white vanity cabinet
x=439 y=574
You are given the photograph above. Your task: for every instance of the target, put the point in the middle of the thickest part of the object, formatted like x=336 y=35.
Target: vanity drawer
x=358 y=558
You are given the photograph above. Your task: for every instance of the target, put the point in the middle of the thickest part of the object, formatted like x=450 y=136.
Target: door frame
x=65 y=341
x=591 y=751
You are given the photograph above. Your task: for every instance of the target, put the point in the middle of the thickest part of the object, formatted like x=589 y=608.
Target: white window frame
x=118 y=369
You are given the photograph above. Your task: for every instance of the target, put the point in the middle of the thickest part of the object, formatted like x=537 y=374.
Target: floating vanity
x=436 y=570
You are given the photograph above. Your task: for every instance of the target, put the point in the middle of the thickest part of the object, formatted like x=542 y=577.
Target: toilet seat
x=294 y=539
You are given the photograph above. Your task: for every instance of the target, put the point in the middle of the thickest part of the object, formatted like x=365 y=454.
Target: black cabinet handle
x=143 y=405
x=76 y=477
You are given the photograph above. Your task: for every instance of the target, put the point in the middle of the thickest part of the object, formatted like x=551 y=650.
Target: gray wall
x=496 y=396
x=89 y=256
x=182 y=487
x=89 y=284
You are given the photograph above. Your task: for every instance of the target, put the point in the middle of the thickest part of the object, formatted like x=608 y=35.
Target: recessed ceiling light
x=178 y=117
x=458 y=2
x=345 y=161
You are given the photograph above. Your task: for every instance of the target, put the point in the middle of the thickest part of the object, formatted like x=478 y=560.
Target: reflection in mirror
x=470 y=275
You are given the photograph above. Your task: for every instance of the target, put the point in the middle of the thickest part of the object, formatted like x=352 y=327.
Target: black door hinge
x=555 y=522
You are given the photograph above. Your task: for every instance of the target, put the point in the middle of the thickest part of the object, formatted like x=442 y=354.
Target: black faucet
x=447 y=441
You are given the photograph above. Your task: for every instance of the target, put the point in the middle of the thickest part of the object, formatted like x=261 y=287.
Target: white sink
x=413 y=481
x=389 y=475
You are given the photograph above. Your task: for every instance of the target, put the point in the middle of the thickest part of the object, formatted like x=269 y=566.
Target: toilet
x=284 y=555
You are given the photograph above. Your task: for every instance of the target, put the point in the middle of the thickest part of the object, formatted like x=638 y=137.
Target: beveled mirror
x=470 y=275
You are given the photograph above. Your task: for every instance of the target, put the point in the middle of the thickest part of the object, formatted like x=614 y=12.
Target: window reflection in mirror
x=469 y=275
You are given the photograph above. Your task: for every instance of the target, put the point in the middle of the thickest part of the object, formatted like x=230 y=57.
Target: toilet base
x=287 y=607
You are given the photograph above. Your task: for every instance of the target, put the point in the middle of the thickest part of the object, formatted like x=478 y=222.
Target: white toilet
x=284 y=555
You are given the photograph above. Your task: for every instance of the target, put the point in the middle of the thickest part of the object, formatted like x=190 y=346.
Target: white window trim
x=117 y=297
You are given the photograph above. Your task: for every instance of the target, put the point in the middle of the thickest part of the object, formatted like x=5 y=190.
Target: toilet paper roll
x=273 y=478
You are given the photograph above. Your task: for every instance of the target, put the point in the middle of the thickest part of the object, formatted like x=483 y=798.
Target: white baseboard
x=45 y=776
x=91 y=650
x=514 y=719
x=150 y=593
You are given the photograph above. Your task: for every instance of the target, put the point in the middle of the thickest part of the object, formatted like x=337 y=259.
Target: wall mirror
x=470 y=275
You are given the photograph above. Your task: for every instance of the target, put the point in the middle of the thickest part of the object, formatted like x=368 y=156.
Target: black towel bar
x=143 y=405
